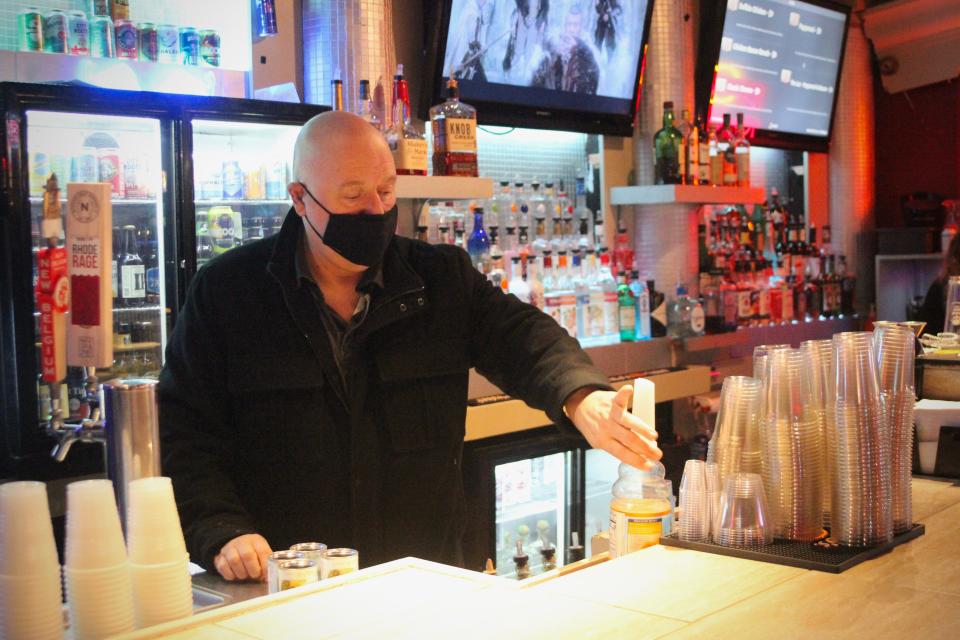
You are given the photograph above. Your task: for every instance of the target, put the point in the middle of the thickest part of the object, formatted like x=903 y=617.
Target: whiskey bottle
x=454 y=126
x=409 y=146
x=666 y=149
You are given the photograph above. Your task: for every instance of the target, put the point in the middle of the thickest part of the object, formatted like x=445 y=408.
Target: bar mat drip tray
x=805 y=555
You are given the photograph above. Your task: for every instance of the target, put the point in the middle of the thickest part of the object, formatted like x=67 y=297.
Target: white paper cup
x=94 y=537
x=154 y=535
x=30 y=607
x=100 y=601
x=26 y=532
x=928 y=456
x=162 y=592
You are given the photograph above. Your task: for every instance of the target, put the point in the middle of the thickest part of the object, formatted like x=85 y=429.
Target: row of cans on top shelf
x=231 y=180
x=99 y=36
x=129 y=176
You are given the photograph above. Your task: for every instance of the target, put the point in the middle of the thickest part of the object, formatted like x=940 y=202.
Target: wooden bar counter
x=911 y=592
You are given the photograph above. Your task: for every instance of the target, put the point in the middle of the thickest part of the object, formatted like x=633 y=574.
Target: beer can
x=209 y=48
x=30 y=29
x=98 y=8
x=101 y=37
x=127 y=36
x=168 y=43
x=232 y=180
x=296 y=573
x=189 y=46
x=120 y=9
x=78 y=38
x=109 y=169
x=336 y=562
x=55 y=29
x=211 y=182
x=39 y=172
x=311 y=551
x=83 y=167
x=61 y=167
x=226 y=228
x=273 y=567
x=149 y=45
x=253 y=184
x=276 y=180
x=133 y=180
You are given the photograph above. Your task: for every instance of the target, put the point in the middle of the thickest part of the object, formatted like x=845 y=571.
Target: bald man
x=315 y=384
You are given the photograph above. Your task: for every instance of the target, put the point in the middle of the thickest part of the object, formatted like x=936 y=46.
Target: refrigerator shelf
x=527 y=509
x=115 y=201
x=36 y=314
x=133 y=346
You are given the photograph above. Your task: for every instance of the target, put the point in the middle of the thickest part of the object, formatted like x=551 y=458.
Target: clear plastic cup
x=895 y=347
x=743 y=519
x=162 y=592
x=100 y=601
x=94 y=537
x=737 y=434
x=30 y=607
x=695 y=510
x=154 y=535
x=760 y=354
x=855 y=369
x=27 y=547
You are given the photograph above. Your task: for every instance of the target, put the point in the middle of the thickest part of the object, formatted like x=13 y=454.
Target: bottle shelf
x=685 y=194
x=240 y=202
x=114 y=201
x=527 y=509
x=444 y=188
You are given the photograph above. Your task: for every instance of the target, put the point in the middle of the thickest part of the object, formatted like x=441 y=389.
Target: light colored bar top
x=913 y=591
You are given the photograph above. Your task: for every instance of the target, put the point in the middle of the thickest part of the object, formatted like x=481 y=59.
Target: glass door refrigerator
x=176 y=165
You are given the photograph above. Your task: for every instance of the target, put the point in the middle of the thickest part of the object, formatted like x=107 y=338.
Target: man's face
x=353 y=175
x=571 y=31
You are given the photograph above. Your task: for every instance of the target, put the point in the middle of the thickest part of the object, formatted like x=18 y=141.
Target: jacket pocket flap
x=270 y=371
x=411 y=361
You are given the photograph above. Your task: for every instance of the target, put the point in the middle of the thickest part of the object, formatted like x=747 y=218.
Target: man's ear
x=295 y=189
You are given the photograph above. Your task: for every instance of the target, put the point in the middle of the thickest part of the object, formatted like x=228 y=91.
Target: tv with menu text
x=551 y=64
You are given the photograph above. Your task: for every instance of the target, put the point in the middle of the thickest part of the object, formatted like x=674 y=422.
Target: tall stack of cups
x=793 y=457
x=96 y=569
x=695 y=506
x=896 y=348
x=30 y=598
x=860 y=512
x=735 y=445
x=818 y=362
x=159 y=563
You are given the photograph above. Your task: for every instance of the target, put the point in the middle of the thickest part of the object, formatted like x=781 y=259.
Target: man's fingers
x=633 y=423
x=624 y=393
x=251 y=561
x=626 y=455
x=263 y=553
x=236 y=562
x=223 y=567
x=637 y=443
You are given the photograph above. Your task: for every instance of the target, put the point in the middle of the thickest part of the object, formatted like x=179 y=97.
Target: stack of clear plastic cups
x=895 y=345
x=714 y=487
x=735 y=445
x=793 y=460
x=760 y=354
x=743 y=519
x=158 y=555
x=695 y=509
x=818 y=360
x=96 y=569
x=30 y=597
x=860 y=512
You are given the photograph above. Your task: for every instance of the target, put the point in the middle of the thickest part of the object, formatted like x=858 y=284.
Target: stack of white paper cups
x=96 y=569
x=30 y=601
x=158 y=554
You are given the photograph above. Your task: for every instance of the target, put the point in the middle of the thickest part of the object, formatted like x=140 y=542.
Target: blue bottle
x=478 y=244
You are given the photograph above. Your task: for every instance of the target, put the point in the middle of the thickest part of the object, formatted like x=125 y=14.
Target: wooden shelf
x=685 y=194
x=444 y=188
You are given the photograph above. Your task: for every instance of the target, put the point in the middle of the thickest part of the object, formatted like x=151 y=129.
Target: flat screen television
x=550 y=64
x=776 y=61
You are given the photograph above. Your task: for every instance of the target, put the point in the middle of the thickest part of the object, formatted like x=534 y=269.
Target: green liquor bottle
x=666 y=149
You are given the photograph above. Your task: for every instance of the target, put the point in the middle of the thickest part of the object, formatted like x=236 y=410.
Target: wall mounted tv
x=776 y=61
x=550 y=64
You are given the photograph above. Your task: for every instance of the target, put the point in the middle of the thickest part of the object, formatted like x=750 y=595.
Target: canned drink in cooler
x=336 y=562
x=149 y=46
x=55 y=27
x=168 y=44
x=296 y=573
x=83 y=167
x=189 y=46
x=273 y=567
x=110 y=170
x=120 y=9
x=232 y=180
x=60 y=166
x=209 y=48
x=127 y=36
x=101 y=37
x=78 y=38
x=226 y=228
x=39 y=172
x=30 y=29
x=134 y=178
x=276 y=180
x=253 y=184
x=98 y=8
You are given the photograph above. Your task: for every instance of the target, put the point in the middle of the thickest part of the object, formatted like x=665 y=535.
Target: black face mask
x=361 y=238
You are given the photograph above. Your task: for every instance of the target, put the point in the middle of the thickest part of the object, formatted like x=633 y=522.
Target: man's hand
x=244 y=558
x=603 y=419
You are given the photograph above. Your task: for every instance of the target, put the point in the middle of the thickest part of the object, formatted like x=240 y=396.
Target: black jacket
x=257 y=440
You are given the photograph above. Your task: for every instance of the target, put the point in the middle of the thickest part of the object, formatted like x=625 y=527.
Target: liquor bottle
x=642 y=296
x=365 y=108
x=409 y=146
x=117 y=240
x=336 y=94
x=517 y=285
x=742 y=153
x=581 y=288
x=133 y=280
x=583 y=215
x=454 y=126
x=692 y=173
x=703 y=153
x=595 y=310
x=611 y=324
x=800 y=250
x=535 y=283
x=684 y=127
x=658 y=311
x=622 y=252
x=666 y=149
x=726 y=148
x=848 y=285
x=478 y=244
x=684 y=315
x=814 y=293
x=712 y=311
x=567 y=296
x=628 y=310
x=716 y=158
